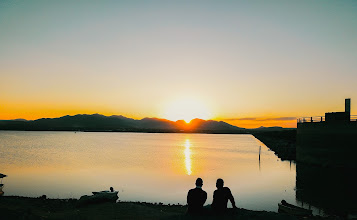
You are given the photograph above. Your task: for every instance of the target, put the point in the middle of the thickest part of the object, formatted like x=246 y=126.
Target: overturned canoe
x=98 y=197
x=106 y=195
x=285 y=207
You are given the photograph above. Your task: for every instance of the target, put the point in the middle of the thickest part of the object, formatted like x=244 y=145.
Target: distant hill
x=210 y=125
x=97 y=122
x=275 y=128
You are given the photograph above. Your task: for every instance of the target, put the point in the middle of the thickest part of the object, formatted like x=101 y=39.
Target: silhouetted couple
x=197 y=197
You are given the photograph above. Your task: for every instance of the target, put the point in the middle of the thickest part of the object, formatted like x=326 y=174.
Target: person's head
x=219 y=183
x=111 y=189
x=199 y=182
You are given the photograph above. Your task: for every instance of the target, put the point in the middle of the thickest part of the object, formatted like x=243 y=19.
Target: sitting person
x=221 y=196
x=196 y=198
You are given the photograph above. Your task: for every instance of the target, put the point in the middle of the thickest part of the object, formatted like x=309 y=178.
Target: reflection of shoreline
x=330 y=189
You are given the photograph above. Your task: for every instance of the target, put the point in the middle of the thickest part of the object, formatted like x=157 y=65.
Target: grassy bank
x=13 y=207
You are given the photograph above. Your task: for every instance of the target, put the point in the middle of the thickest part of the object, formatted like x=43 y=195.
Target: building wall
x=330 y=144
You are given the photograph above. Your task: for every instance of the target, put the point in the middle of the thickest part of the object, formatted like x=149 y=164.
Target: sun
x=186 y=109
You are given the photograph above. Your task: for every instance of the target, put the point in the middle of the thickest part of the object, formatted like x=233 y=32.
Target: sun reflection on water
x=188 y=156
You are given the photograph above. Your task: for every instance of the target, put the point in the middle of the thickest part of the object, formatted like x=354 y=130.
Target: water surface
x=143 y=166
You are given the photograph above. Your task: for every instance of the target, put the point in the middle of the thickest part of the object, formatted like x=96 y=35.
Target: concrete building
x=329 y=141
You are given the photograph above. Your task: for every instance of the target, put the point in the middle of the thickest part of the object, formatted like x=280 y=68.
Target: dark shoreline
x=17 y=207
x=283 y=142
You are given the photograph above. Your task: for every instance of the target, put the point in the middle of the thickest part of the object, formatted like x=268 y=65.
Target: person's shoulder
x=226 y=189
x=196 y=190
x=200 y=190
x=191 y=190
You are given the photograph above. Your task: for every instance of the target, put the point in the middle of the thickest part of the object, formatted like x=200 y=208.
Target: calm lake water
x=144 y=167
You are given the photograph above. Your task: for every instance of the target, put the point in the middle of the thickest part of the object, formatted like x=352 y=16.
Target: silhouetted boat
x=97 y=197
x=106 y=195
x=285 y=207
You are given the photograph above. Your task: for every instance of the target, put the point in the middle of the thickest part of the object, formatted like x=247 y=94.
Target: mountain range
x=97 y=122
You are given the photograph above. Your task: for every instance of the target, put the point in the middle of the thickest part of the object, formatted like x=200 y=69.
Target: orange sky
x=250 y=64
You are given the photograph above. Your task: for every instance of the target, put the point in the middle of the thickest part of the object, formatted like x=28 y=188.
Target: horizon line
x=218 y=119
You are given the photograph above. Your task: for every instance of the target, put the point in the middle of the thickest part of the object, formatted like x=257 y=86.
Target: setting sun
x=186 y=109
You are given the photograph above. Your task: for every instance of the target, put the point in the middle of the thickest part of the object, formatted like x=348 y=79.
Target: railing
x=320 y=119
x=311 y=119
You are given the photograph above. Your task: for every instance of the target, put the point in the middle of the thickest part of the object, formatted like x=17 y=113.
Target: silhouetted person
x=111 y=189
x=196 y=198
x=221 y=196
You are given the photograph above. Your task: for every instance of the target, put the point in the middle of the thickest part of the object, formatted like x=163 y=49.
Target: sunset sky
x=249 y=63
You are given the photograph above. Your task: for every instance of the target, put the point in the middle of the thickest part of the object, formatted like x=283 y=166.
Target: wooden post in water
x=259 y=156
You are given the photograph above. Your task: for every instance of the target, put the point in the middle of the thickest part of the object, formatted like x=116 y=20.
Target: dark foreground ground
x=12 y=207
